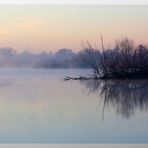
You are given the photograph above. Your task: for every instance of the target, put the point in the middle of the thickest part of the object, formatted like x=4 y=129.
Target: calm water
x=38 y=106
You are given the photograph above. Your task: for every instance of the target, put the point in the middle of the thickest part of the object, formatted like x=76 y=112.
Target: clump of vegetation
x=124 y=60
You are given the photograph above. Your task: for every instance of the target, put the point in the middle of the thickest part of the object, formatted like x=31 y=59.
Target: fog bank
x=63 y=58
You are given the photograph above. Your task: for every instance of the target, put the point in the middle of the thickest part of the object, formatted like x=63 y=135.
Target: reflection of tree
x=124 y=95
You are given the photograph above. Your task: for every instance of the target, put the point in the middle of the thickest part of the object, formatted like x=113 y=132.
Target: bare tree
x=92 y=57
x=124 y=60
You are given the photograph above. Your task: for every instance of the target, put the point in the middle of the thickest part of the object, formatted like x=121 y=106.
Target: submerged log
x=78 y=78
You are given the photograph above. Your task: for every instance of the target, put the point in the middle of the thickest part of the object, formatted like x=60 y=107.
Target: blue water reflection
x=38 y=106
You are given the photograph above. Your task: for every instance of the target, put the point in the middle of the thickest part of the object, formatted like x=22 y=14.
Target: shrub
x=124 y=60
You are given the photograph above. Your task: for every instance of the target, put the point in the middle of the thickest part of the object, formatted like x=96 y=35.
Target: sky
x=52 y=27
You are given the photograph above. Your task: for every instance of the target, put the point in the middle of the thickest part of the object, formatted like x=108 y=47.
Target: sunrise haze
x=51 y=27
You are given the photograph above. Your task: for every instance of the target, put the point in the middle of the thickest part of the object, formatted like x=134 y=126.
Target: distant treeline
x=123 y=60
x=63 y=58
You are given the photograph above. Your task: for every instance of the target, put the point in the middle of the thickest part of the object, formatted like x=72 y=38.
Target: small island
x=124 y=60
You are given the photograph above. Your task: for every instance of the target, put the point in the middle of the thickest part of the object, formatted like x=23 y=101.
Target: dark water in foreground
x=37 y=106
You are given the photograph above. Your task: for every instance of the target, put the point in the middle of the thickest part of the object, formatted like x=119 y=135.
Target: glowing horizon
x=51 y=27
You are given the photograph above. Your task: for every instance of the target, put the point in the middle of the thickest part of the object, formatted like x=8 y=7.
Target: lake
x=38 y=106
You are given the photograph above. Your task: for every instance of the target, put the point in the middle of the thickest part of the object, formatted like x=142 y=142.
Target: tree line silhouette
x=124 y=60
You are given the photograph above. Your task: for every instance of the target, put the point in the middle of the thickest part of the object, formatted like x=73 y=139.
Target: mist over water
x=38 y=106
x=63 y=58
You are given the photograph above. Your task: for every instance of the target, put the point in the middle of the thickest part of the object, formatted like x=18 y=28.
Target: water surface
x=38 y=106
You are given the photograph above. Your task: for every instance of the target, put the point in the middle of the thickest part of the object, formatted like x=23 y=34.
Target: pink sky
x=51 y=27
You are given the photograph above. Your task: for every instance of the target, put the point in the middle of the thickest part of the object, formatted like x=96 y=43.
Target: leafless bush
x=124 y=60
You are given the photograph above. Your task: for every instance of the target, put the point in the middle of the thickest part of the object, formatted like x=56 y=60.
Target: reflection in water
x=124 y=95
x=38 y=106
x=5 y=82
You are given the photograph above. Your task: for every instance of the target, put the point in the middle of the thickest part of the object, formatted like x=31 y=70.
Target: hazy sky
x=51 y=27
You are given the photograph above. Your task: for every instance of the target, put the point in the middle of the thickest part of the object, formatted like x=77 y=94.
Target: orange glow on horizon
x=51 y=27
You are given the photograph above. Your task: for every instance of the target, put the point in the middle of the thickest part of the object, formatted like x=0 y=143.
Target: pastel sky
x=51 y=27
